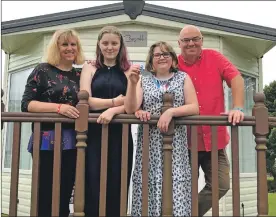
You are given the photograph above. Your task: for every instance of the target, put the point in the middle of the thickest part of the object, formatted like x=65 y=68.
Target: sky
x=254 y=12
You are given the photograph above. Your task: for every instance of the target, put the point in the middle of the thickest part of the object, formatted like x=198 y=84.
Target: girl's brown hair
x=164 y=47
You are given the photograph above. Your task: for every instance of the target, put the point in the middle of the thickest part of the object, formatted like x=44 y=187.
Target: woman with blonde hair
x=52 y=87
x=106 y=84
x=147 y=92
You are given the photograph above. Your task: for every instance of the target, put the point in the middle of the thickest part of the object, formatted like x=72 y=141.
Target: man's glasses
x=187 y=40
x=165 y=55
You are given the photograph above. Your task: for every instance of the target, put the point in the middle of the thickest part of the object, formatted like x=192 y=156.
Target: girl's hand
x=106 y=116
x=142 y=115
x=133 y=74
x=92 y=62
x=164 y=121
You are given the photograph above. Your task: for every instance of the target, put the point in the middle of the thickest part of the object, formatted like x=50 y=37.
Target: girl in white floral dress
x=146 y=92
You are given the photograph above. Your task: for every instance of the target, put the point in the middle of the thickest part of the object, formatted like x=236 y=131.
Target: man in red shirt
x=208 y=69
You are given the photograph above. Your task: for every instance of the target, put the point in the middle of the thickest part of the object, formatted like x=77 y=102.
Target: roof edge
x=59 y=18
x=212 y=22
x=156 y=11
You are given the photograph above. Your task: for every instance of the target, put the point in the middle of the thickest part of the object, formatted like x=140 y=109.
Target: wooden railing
x=259 y=121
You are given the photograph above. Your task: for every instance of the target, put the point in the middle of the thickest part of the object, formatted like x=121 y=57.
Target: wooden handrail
x=260 y=121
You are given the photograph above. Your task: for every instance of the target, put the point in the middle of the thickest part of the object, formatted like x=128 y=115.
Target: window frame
x=228 y=147
x=5 y=127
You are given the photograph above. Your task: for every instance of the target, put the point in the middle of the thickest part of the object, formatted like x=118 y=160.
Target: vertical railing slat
x=235 y=170
x=260 y=130
x=35 y=170
x=167 y=185
x=81 y=127
x=194 y=157
x=145 y=170
x=56 y=171
x=124 y=169
x=214 y=163
x=103 y=179
x=15 y=168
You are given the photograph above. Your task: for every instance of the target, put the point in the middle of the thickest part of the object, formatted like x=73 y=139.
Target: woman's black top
x=47 y=83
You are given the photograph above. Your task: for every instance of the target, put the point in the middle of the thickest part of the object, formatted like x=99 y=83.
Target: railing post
x=260 y=130
x=81 y=127
x=167 y=203
x=2 y=106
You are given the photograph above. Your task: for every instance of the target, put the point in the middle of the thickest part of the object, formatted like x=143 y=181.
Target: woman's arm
x=118 y=109
x=134 y=94
x=191 y=104
x=134 y=97
x=108 y=114
x=87 y=74
x=36 y=106
x=64 y=109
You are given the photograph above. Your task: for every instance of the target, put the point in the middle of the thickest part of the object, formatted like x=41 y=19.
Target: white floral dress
x=152 y=102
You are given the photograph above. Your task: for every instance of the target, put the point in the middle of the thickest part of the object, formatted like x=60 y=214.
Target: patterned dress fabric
x=152 y=102
x=68 y=140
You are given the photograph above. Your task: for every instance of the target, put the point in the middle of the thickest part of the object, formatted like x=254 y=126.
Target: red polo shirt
x=207 y=74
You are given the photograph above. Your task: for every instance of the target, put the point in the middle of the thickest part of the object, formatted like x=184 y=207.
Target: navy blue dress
x=107 y=83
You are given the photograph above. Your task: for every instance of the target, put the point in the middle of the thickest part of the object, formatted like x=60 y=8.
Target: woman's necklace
x=162 y=84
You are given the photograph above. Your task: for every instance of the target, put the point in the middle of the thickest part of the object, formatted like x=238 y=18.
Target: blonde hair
x=52 y=55
x=163 y=46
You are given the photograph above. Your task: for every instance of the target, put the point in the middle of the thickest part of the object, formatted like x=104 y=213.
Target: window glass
x=17 y=82
x=247 y=152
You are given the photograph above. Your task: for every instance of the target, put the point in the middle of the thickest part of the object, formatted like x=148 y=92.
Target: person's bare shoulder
x=89 y=68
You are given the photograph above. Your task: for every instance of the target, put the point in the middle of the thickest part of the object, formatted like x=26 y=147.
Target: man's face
x=190 y=42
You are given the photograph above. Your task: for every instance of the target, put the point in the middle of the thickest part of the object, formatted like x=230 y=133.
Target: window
x=247 y=152
x=17 y=82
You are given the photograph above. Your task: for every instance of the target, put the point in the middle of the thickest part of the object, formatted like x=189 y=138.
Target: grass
x=269 y=178
x=272 y=204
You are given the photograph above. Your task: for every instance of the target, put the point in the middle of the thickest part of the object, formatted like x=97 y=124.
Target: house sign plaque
x=135 y=38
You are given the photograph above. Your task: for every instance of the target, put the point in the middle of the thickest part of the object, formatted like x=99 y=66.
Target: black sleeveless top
x=108 y=82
